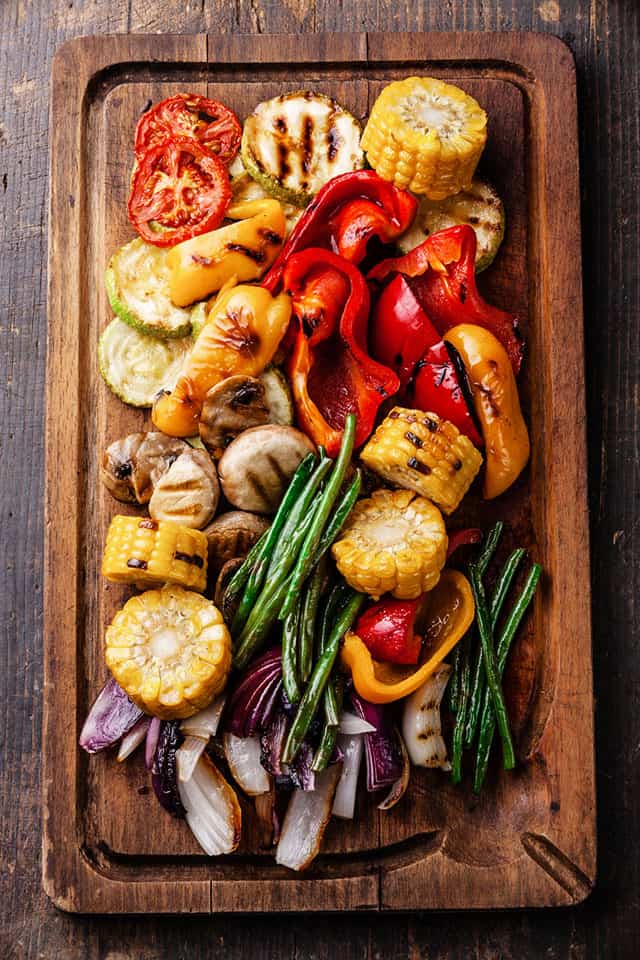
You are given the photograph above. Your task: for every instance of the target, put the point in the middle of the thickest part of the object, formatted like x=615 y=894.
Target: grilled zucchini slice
x=294 y=143
x=480 y=207
x=137 y=282
x=136 y=367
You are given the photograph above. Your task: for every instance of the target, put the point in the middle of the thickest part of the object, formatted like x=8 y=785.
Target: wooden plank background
x=604 y=35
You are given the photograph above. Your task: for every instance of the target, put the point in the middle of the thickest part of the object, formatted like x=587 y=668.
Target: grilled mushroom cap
x=223 y=603
x=189 y=492
x=257 y=467
x=231 y=406
x=232 y=535
x=132 y=466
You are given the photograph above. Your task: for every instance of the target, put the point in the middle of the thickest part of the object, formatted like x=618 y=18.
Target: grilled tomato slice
x=190 y=115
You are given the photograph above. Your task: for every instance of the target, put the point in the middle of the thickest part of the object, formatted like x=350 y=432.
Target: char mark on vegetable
x=415 y=440
x=191 y=558
x=148 y=525
x=307 y=143
x=258 y=256
x=137 y=564
x=202 y=261
x=420 y=467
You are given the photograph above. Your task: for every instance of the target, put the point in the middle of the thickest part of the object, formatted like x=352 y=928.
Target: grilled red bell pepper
x=463 y=538
x=347 y=212
x=442 y=270
x=401 y=332
x=330 y=371
x=437 y=388
x=387 y=629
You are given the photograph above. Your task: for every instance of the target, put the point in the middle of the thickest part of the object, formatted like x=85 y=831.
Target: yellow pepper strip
x=449 y=614
x=242 y=332
x=202 y=265
x=496 y=402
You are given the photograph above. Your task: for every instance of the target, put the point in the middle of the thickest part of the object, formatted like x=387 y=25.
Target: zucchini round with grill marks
x=480 y=207
x=136 y=367
x=137 y=283
x=294 y=143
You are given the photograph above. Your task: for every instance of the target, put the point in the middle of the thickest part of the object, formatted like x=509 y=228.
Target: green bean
x=240 y=578
x=497 y=600
x=329 y=734
x=307 y=627
x=255 y=567
x=339 y=516
x=261 y=619
x=314 y=534
x=489 y=547
x=319 y=678
x=463 y=699
x=336 y=601
x=488 y=721
x=290 y=670
x=453 y=687
x=485 y=630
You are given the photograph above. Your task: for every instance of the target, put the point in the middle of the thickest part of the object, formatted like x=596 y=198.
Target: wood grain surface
x=103 y=833
x=604 y=37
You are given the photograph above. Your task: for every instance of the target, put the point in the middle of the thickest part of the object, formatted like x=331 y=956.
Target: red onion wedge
x=344 y=802
x=399 y=788
x=188 y=756
x=132 y=740
x=384 y=761
x=212 y=809
x=306 y=820
x=421 y=724
x=243 y=756
x=164 y=772
x=254 y=700
x=205 y=723
x=350 y=724
x=112 y=715
x=153 y=735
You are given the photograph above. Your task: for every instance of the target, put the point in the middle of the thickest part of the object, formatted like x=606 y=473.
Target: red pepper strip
x=436 y=389
x=386 y=629
x=460 y=538
x=401 y=331
x=444 y=281
x=347 y=212
x=330 y=372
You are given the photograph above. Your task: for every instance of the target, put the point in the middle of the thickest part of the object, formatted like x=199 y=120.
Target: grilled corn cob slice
x=170 y=651
x=426 y=136
x=148 y=552
x=394 y=542
x=421 y=452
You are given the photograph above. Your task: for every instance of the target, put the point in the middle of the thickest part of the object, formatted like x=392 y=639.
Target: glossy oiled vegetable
x=132 y=466
x=136 y=367
x=244 y=250
x=244 y=327
x=421 y=452
x=188 y=492
x=447 y=616
x=425 y=135
x=497 y=405
x=394 y=542
x=170 y=651
x=148 y=552
x=421 y=723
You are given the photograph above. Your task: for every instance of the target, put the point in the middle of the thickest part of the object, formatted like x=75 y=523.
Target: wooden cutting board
x=530 y=839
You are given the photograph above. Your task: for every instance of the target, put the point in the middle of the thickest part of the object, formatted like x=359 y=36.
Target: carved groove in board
x=557 y=865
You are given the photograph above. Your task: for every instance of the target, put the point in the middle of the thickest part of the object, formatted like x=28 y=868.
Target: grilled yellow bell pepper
x=496 y=402
x=448 y=614
x=244 y=250
x=243 y=329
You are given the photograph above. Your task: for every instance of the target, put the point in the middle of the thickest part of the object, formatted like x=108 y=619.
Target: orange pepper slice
x=449 y=613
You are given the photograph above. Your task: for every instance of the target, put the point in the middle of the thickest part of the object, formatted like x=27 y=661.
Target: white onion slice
x=188 y=755
x=351 y=724
x=243 y=757
x=398 y=789
x=213 y=811
x=132 y=740
x=204 y=723
x=265 y=806
x=306 y=820
x=421 y=724
x=344 y=802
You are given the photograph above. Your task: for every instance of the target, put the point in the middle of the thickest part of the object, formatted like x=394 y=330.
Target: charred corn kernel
x=394 y=542
x=170 y=651
x=421 y=452
x=149 y=552
x=425 y=135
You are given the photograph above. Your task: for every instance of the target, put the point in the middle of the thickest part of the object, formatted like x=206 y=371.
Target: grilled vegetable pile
x=327 y=385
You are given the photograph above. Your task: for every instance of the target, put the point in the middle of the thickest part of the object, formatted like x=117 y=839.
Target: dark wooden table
x=604 y=36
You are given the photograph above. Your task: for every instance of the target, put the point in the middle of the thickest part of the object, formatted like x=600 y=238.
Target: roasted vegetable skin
x=394 y=542
x=293 y=144
x=170 y=651
x=423 y=453
x=147 y=552
x=426 y=136
x=497 y=405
